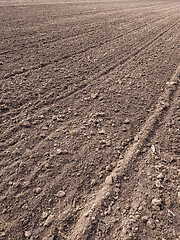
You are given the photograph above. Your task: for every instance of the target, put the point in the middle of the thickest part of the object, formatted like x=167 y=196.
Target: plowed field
x=89 y=120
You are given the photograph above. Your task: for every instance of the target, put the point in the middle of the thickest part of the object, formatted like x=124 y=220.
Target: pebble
x=158 y=184
x=109 y=180
x=108 y=194
x=144 y=218
x=94 y=95
x=127 y=121
x=102 y=131
x=2 y=234
x=109 y=168
x=140 y=208
x=25 y=123
x=157 y=157
x=116 y=190
x=61 y=194
x=124 y=231
x=160 y=176
x=156 y=203
x=151 y=224
x=179 y=198
x=37 y=190
x=109 y=210
x=27 y=234
x=124 y=129
x=54 y=117
x=86 y=214
x=49 y=237
x=59 y=151
x=4 y=210
x=44 y=128
x=108 y=143
x=49 y=220
x=44 y=215
x=93 y=182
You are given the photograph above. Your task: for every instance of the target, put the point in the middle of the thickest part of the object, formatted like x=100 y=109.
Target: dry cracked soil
x=89 y=120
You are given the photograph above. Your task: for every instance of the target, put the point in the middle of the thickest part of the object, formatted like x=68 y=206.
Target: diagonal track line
x=93 y=206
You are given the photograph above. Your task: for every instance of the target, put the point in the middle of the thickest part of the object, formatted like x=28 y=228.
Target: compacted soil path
x=89 y=113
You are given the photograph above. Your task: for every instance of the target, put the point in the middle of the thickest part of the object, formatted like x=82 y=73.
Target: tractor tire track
x=85 y=223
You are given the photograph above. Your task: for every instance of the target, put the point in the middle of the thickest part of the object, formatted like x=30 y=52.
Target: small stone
x=27 y=234
x=4 y=211
x=124 y=129
x=109 y=180
x=156 y=203
x=114 y=175
x=108 y=143
x=109 y=210
x=116 y=190
x=59 y=151
x=44 y=128
x=61 y=194
x=108 y=194
x=179 y=198
x=10 y=183
x=49 y=220
x=49 y=237
x=127 y=121
x=38 y=190
x=102 y=131
x=94 y=95
x=109 y=168
x=86 y=214
x=25 y=123
x=158 y=184
x=160 y=176
x=144 y=218
x=168 y=201
x=124 y=231
x=2 y=234
x=140 y=208
x=93 y=182
x=44 y=215
x=151 y=224
x=54 y=117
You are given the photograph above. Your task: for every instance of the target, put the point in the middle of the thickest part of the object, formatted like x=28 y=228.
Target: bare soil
x=89 y=125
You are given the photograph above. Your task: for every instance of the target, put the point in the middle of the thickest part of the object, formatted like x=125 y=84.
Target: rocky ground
x=89 y=125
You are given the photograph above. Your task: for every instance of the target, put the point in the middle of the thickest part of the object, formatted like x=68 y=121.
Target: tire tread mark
x=83 y=224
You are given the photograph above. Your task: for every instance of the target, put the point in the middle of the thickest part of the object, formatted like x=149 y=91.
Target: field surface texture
x=89 y=120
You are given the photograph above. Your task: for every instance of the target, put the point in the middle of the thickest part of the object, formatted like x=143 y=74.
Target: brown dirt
x=89 y=105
